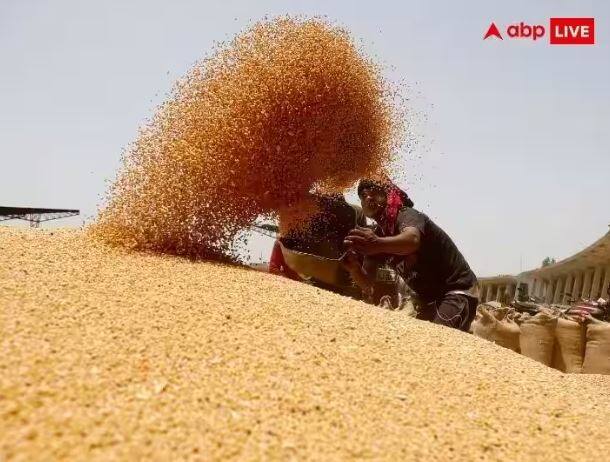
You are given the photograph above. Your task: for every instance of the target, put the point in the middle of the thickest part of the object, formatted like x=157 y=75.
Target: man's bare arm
x=405 y=243
x=365 y=241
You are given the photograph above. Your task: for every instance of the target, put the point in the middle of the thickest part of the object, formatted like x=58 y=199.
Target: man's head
x=374 y=195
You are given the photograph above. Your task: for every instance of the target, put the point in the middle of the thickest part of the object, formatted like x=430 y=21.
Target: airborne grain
x=287 y=106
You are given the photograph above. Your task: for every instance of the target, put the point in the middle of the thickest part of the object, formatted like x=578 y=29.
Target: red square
x=572 y=31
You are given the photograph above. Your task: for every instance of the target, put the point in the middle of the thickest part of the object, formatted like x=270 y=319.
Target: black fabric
x=438 y=266
x=452 y=310
x=327 y=229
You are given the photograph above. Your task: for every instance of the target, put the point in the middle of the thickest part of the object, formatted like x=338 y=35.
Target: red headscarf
x=395 y=203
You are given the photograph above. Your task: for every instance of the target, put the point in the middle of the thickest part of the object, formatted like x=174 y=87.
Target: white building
x=585 y=274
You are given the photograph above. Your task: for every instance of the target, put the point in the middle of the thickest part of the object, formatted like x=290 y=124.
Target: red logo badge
x=493 y=32
x=572 y=31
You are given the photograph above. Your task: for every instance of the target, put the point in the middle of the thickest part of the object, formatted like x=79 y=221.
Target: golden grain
x=113 y=355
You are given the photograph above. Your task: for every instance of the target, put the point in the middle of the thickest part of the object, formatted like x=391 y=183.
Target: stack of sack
x=498 y=326
x=549 y=337
x=597 y=352
x=537 y=339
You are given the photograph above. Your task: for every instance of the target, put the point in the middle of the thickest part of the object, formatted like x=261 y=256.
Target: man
x=321 y=235
x=326 y=229
x=421 y=252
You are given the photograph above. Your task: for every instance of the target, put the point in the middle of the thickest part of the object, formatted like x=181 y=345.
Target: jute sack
x=477 y=319
x=538 y=338
x=503 y=332
x=502 y=312
x=483 y=322
x=597 y=351
x=570 y=342
x=520 y=318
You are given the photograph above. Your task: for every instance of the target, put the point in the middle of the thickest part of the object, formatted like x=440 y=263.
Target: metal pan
x=309 y=266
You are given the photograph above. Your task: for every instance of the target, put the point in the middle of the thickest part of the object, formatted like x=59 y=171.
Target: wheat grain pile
x=287 y=106
x=107 y=354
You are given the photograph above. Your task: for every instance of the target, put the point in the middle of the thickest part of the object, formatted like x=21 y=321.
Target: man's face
x=374 y=201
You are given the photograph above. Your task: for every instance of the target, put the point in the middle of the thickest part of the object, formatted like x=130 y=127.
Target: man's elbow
x=412 y=239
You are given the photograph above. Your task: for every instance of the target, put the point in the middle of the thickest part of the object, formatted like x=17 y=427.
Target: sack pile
x=569 y=344
x=597 y=352
x=496 y=326
x=537 y=338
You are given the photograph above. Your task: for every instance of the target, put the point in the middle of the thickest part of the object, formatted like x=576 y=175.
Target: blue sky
x=513 y=156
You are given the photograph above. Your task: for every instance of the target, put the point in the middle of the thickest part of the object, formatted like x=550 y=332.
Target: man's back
x=438 y=266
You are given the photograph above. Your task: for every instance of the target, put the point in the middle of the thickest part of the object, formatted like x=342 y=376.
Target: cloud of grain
x=288 y=105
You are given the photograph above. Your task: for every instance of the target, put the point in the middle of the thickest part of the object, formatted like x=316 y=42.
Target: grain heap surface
x=107 y=355
x=287 y=106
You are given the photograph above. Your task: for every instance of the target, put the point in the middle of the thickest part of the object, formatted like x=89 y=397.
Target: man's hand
x=362 y=240
x=352 y=264
x=350 y=261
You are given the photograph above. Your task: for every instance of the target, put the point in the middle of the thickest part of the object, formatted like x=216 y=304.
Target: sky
x=513 y=151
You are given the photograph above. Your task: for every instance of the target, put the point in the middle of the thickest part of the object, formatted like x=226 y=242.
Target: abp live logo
x=563 y=31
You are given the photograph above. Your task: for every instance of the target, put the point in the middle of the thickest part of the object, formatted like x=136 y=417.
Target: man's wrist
x=378 y=245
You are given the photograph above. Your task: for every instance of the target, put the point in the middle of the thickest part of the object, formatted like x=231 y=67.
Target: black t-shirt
x=438 y=266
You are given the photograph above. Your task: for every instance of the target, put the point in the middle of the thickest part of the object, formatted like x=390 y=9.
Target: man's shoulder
x=408 y=216
x=411 y=212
